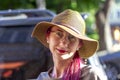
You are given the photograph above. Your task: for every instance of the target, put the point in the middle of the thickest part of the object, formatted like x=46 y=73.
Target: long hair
x=73 y=71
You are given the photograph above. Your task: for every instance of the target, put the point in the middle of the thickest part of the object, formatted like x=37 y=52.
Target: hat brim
x=89 y=45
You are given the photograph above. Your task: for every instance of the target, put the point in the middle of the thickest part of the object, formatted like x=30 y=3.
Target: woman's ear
x=48 y=34
x=80 y=44
x=47 y=38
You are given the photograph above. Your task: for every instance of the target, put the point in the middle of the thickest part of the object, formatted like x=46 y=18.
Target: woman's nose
x=64 y=41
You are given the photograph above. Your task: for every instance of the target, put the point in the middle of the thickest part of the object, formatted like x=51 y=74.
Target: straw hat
x=72 y=22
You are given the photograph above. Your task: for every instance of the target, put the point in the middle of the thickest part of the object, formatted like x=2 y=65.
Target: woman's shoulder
x=43 y=75
x=89 y=73
x=46 y=76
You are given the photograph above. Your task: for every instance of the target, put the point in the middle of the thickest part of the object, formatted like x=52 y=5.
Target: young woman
x=65 y=37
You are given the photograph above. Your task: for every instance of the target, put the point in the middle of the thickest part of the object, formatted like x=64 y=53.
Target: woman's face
x=62 y=44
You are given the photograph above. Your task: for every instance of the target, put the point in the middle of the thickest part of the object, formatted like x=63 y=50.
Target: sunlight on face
x=66 y=56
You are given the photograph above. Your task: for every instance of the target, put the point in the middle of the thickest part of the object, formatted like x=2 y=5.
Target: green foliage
x=17 y=4
x=92 y=33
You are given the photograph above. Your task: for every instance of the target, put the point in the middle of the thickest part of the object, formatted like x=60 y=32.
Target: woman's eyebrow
x=58 y=30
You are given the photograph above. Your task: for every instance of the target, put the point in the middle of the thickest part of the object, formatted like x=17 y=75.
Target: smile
x=61 y=51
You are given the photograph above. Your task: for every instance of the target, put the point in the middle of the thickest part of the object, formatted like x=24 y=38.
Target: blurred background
x=22 y=57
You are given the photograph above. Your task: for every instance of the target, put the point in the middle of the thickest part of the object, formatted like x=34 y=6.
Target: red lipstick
x=61 y=51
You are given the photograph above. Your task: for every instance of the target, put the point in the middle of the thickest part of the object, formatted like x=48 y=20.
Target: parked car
x=111 y=64
x=22 y=57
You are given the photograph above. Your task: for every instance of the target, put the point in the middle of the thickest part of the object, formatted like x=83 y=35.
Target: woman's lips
x=61 y=51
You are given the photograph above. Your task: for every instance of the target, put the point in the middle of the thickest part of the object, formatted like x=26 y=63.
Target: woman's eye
x=71 y=38
x=59 y=34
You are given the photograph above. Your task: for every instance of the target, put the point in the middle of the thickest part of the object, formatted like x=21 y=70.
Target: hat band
x=68 y=26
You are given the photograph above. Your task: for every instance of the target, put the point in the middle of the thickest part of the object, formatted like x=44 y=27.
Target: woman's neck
x=59 y=68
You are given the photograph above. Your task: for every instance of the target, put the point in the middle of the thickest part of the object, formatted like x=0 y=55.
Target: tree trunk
x=101 y=22
x=41 y=4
